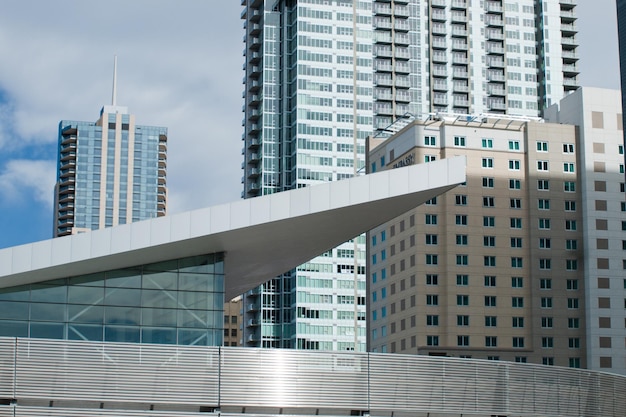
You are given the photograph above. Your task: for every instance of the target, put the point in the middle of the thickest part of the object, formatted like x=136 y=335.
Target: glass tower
x=320 y=75
x=308 y=109
x=109 y=172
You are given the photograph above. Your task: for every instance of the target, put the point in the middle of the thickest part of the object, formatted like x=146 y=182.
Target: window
x=572 y=303
x=574 y=343
x=547 y=342
x=490 y=281
x=460 y=200
x=517 y=282
x=568 y=167
x=518 y=322
x=431 y=239
x=521 y=359
x=517 y=262
x=547 y=360
x=545 y=283
x=462 y=300
x=489 y=241
x=488 y=182
x=518 y=342
x=571 y=244
x=459 y=141
x=462 y=320
x=570 y=205
x=431 y=202
x=568 y=148
x=430 y=158
x=543 y=204
x=462 y=340
x=544 y=224
x=542 y=166
x=573 y=323
x=514 y=145
x=432 y=259
x=490 y=300
x=487 y=162
x=432 y=279
x=461 y=219
x=488 y=202
x=515 y=203
x=515 y=184
x=546 y=322
x=432 y=320
x=461 y=260
x=462 y=280
x=546 y=302
x=432 y=340
x=516 y=223
x=545 y=243
x=574 y=362
x=461 y=240
x=432 y=300
x=542 y=146
x=487 y=143
x=430 y=141
x=572 y=284
x=517 y=302
x=491 y=341
x=545 y=263
x=489 y=261
x=543 y=185
x=569 y=186
x=516 y=242
x=489 y=221
x=571 y=264
x=431 y=219
x=514 y=164
x=570 y=225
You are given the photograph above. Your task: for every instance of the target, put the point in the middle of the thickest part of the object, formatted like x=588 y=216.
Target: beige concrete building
x=500 y=268
x=233 y=322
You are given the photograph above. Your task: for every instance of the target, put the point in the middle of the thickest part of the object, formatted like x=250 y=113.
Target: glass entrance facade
x=173 y=302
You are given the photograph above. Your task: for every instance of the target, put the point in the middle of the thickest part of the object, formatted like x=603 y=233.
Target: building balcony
x=254 y=173
x=382 y=9
x=493 y=20
x=254 y=189
x=567 y=16
x=255 y=15
x=493 y=7
x=402 y=53
x=570 y=84
x=402 y=39
x=569 y=56
x=495 y=49
x=570 y=69
x=439 y=29
x=495 y=62
x=496 y=104
x=254 y=143
x=496 y=90
x=254 y=86
x=459 y=32
x=402 y=25
x=402 y=67
x=459 y=59
x=495 y=34
x=568 y=29
x=382 y=23
x=439 y=43
x=63 y=173
x=458 y=17
x=460 y=102
x=438 y=15
x=383 y=65
x=254 y=114
x=440 y=71
x=458 y=73
x=401 y=11
x=254 y=157
x=66 y=156
x=438 y=3
x=459 y=4
x=459 y=87
x=402 y=96
x=383 y=80
x=403 y=82
x=459 y=46
x=498 y=77
x=439 y=56
x=440 y=100
x=255 y=57
x=255 y=29
x=67 y=139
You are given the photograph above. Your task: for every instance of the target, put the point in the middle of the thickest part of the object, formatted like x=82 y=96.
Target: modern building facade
x=524 y=262
x=233 y=322
x=465 y=57
x=308 y=109
x=598 y=115
x=321 y=75
x=165 y=280
x=621 y=33
x=109 y=172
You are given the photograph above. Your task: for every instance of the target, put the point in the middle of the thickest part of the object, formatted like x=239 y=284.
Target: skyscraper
x=457 y=56
x=308 y=109
x=523 y=263
x=109 y=172
x=322 y=74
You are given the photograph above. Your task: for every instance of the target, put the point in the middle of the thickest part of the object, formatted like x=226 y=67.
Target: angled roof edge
x=261 y=237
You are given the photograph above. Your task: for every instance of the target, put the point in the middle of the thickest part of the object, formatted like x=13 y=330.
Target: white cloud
x=27 y=180
x=179 y=66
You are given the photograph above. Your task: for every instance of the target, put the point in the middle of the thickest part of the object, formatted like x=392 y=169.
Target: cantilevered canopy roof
x=261 y=237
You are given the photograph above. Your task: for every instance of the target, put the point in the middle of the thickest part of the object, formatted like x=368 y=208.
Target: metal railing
x=56 y=377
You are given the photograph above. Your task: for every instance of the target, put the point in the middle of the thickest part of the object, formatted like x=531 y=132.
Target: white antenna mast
x=114 y=96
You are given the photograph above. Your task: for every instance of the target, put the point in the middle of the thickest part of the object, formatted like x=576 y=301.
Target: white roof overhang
x=261 y=237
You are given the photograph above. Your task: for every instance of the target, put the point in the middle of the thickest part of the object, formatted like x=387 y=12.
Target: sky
x=179 y=66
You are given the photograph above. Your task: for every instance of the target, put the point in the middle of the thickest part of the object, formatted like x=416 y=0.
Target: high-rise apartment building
x=457 y=56
x=320 y=75
x=308 y=110
x=525 y=261
x=109 y=172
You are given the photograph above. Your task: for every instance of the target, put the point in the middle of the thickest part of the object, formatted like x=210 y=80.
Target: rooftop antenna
x=114 y=96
